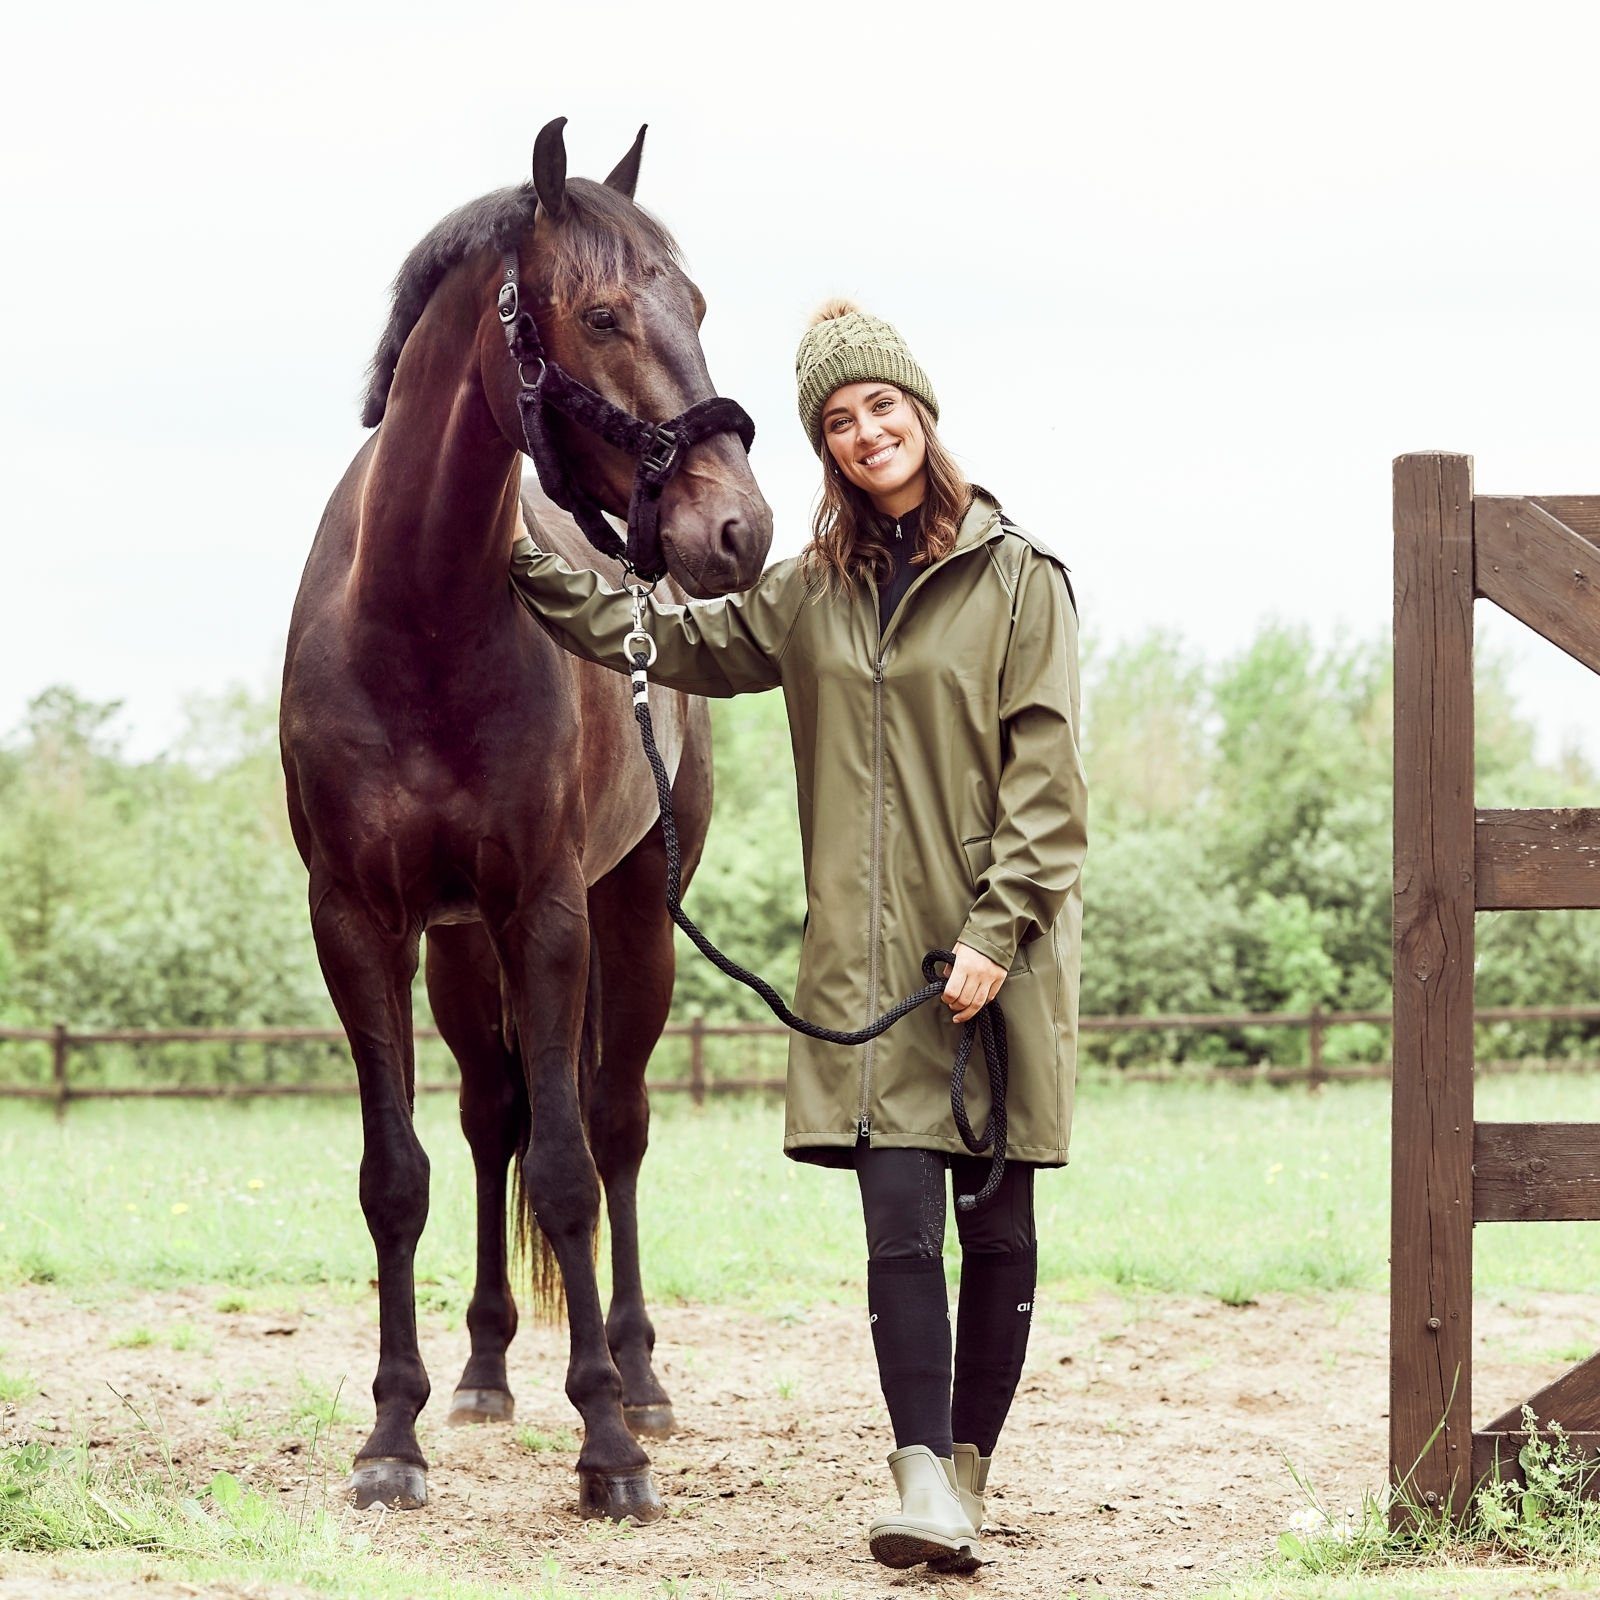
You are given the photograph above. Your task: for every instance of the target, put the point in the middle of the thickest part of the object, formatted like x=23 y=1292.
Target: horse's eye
x=599 y=317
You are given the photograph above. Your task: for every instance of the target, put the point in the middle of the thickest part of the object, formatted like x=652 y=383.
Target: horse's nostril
x=728 y=538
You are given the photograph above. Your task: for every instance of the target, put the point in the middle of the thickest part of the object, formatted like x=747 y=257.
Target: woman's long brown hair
x=848 y=535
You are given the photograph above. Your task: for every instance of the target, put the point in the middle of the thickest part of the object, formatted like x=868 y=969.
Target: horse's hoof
x=480 y=1405
x=385 y=1481
x=619 y=1495
x=654 y=1421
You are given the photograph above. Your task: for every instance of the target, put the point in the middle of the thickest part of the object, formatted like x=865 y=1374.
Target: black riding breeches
x=903 y=1200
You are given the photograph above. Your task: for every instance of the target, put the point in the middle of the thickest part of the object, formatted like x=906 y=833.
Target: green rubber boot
x=971 y=1473
x=930 y=1525
x=972 y=1478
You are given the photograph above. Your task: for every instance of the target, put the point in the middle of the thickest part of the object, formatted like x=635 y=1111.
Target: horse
x=450 y=770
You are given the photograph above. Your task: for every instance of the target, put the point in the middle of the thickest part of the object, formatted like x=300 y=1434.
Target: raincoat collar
x=980 y=524
x=982 y=521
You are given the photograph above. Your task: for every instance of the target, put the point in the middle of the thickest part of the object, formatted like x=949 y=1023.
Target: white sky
x=1186 y=278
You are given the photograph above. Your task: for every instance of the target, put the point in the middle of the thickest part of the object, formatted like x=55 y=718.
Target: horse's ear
x=625 y=175
x=550 y=166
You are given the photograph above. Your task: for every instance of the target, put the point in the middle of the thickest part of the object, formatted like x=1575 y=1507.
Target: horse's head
x=614 y=310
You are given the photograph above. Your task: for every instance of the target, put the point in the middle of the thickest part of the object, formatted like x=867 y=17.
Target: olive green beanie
x=846 y=345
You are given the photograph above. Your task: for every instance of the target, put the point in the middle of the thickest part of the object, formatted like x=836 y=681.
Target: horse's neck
x=439 y=506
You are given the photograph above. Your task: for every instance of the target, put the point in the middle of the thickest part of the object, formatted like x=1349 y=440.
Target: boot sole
x=899 y=1547
x=963 y=1560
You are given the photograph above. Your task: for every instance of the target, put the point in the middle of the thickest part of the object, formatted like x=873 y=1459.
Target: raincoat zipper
x=875 y=907
x=875 y=866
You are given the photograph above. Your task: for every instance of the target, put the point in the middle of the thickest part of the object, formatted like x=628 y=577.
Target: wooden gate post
x=1430 y=1324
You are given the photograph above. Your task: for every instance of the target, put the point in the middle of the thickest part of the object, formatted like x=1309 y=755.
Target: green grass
x=561 y=1441
x=69 y=1512
x=1448 y=1582
x=15 y=1386
x=1228 y=1191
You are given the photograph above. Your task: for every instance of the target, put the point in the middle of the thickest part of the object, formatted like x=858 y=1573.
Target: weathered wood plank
x=1536 y=1172
x=1580 y=512
x=1540 y=571
x=1430 y=1319
x=1490 y=1448
x=1573 y=1400
x=1533 y=860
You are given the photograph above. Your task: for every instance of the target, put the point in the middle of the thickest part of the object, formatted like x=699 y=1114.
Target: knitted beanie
x=846 y=345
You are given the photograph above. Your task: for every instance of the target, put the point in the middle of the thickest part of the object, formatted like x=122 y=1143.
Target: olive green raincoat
x=941 y=797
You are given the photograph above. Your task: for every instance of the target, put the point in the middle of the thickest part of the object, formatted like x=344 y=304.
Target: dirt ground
x=1148 y=1452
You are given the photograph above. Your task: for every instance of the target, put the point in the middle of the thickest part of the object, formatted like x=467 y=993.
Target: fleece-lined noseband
x=659 y=448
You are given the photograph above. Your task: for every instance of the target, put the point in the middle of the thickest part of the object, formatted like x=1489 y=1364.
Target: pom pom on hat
x=834 y=308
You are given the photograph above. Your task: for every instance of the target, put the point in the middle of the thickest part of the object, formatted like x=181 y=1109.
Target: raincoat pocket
x=979 y=851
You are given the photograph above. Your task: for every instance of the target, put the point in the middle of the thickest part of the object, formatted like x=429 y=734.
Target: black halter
x=660 y=447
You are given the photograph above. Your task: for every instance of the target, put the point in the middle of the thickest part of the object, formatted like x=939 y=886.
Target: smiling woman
x=926 y=648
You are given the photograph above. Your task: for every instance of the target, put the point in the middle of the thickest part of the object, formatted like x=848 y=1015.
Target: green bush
x=1239 y=861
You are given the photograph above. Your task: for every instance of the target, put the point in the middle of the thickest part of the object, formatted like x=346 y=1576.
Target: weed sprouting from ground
x=561 y=1441
x=313 y=1411
x=1550 y=1518
x=15 y=1386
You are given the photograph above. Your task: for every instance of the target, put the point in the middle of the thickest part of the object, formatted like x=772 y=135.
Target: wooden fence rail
x=64 y=1040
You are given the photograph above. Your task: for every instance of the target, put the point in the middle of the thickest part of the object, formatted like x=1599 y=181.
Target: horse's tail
x=531 y=1249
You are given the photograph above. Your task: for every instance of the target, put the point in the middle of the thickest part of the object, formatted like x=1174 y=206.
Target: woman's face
x=874 y=436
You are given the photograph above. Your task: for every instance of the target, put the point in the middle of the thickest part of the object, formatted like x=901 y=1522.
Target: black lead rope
x=989 y=1026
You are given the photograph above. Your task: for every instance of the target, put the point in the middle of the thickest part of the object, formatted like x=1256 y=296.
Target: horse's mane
x=601 y=240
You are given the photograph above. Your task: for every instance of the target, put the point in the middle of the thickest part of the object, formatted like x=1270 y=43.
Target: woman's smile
x=877 y=444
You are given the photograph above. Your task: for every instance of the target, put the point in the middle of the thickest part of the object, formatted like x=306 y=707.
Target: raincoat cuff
x=987 y=947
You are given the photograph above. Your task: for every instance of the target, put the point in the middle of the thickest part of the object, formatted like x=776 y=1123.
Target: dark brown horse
x=450 y=770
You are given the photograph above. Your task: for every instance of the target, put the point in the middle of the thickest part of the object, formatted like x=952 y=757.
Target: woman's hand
x=974 y=981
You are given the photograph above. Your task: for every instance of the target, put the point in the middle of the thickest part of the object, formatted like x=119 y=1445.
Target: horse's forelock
x=602 y=241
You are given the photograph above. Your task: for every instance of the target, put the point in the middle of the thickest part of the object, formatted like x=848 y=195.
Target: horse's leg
x=464 y=992
x=544 y=948
x=634 y=942
x=369 y=973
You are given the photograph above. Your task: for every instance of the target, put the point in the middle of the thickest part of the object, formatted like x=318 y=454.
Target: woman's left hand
x=973 y=982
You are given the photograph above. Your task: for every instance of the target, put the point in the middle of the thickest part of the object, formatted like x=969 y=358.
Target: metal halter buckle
x=661 y=452
x=506 y=304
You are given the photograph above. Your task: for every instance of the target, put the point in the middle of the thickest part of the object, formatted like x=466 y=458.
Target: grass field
x=1217 y=1190
x=1175 y=1190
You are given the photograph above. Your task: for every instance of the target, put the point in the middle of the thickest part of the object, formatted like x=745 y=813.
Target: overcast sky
x=1186 y=277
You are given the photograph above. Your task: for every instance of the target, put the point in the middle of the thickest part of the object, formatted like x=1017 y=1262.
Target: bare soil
x=1148 y=1452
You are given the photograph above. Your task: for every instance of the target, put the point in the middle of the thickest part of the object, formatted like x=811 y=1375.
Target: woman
x=927 y=651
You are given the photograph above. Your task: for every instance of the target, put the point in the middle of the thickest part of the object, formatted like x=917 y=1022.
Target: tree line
x=1239 y=861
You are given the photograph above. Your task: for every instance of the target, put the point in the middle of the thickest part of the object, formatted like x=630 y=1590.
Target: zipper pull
x=861 y=1127
x=897 y=530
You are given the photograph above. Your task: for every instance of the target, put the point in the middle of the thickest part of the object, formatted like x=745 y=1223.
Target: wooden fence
x=1539 y=560
x=64 y=1041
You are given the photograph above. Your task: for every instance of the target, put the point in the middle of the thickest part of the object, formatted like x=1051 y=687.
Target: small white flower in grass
x=179 y=1207
x=1307 y=1520
x=256 y=1183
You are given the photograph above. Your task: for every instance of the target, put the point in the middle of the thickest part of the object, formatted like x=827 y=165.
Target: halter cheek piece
x=659 y=448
